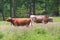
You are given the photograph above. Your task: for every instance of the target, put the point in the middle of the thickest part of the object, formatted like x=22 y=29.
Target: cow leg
x=11 y=25
x=15 y=24
x=43 y=22
x=27 y=25
x=31 y=23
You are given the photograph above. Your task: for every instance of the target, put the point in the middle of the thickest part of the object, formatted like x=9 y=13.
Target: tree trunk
x=3 y=10
x=14 y=8
x=30 y=7
x=10 y=8
x=33 y=7
x=46 y=11
x=45 y=5
x=57 y=4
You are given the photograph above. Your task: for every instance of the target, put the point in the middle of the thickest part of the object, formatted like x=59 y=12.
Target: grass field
x=56 y=19
x=50 y=31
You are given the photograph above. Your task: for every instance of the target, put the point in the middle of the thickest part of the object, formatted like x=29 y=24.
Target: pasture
x=49 y=31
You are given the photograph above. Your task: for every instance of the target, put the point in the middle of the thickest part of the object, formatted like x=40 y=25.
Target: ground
x=49 y=31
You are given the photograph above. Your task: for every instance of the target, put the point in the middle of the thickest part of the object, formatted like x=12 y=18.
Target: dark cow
x=19 y=21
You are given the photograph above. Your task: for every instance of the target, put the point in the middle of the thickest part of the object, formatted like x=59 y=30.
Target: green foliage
x=24 y=5
x=40 y=31
x=1 y=35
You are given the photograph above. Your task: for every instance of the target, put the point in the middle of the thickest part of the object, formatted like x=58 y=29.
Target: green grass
x=50 y=31
x=35 y=33
x=56 y=19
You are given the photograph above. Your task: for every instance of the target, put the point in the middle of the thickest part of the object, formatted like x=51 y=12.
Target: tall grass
x=47 y=32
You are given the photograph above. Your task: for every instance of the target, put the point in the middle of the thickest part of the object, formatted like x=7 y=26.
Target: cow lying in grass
x=19 y=21
x=41 y=19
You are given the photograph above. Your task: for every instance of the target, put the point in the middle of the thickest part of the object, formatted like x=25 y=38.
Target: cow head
x=50 y=19
x=9 y=19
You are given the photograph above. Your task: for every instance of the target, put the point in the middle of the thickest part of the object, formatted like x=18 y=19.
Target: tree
x=56 y=10
x=3 y=10
x=10 y=8
x=14 y=8
x=30 y=12
x=45 y=7
x=34 y=7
